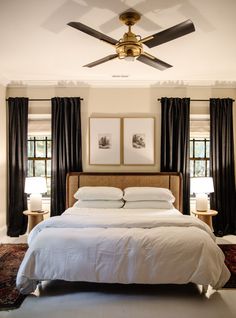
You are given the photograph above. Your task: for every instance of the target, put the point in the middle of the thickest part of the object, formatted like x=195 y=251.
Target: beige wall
x=3 y=161
x=128 y=101
x=115 y=101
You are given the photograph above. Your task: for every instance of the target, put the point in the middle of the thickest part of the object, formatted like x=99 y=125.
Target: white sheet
x=117 y=246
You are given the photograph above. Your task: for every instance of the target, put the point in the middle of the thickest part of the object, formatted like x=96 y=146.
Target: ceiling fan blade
x=84 y=28
x=170 y=34
x=153 y=61
x=103 y=60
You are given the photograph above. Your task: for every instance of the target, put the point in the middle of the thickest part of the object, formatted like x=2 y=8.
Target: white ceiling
x=37 y=46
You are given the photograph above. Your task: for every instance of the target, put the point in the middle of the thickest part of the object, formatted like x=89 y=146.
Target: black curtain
x=222 y=165
x=66 y=147
x=17 y=165
x=175 y=141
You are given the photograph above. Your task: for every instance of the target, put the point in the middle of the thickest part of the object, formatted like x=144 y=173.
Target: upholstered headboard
x=172 y=181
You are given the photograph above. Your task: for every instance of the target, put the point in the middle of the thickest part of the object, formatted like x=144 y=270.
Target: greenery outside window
x=199 y=157
x=39 y=159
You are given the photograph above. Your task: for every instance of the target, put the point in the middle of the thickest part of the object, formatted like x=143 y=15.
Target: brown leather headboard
x=172 y=181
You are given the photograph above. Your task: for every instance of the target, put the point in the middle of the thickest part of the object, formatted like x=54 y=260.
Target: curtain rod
x=197 y=100
x=40 y=99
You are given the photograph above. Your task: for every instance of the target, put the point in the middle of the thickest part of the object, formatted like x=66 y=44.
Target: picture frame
x=139 y=141
x=104 y=141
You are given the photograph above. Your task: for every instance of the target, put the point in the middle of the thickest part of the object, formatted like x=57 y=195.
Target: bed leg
x=204 y=289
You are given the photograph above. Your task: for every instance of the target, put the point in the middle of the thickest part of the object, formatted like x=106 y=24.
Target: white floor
x=67 y=300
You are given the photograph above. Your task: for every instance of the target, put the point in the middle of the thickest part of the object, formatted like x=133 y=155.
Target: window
x=199 y=157
x=39 y=158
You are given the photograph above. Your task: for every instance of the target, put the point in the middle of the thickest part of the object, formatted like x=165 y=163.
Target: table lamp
x=201 y=187
x=35 y=186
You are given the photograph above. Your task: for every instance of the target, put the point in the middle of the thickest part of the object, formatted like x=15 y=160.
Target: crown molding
x=121 y=82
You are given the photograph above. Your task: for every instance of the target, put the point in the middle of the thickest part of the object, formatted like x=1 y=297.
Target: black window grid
x=205 y=158
x=45 y=158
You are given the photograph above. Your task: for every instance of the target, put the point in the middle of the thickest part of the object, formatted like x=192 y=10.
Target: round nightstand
x=34 y=217
x=206 y=216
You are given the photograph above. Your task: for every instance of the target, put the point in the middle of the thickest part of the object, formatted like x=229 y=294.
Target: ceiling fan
x=130 y=46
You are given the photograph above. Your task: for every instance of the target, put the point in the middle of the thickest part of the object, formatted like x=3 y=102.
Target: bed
x=128 y=246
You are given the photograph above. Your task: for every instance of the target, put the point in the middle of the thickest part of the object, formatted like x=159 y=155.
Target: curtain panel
x=66 y=147
x=222 y=165
x=175 y=141
x=17 y=165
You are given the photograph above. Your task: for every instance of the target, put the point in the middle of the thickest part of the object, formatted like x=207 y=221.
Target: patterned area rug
x=230 y=261
x=11 y=256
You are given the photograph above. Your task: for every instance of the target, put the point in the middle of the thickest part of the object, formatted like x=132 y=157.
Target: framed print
x=138 y=136
x=104 y=140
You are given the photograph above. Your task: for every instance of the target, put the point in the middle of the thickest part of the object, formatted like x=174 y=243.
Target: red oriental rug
x=11 y=256
x=230 y=261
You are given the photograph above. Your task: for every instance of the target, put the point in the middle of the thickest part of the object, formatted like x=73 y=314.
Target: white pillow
x=98 y=193
x=99 y=204
x=148 y=194
x=148 y=205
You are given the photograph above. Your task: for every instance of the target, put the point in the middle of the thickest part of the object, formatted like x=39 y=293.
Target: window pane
x=191 y=168
x=30 y=172
x=208 y=149
x=49 y=167
x=208 y=168
x=39 y=168
x=48 y=186
x=199 y=149
x=200 y=168
x=49 y=155
x=40 y=149
x=30 y=149
x=191 y=148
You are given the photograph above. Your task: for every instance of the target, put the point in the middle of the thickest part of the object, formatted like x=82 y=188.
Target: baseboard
x=3 y=231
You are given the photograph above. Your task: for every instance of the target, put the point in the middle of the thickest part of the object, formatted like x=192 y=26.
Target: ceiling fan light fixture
x=129 y=58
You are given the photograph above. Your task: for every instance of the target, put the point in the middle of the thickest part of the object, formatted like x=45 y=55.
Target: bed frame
x=172 y=181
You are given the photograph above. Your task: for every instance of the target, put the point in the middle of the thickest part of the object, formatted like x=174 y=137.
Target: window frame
x=43 y=138
x=195 y=159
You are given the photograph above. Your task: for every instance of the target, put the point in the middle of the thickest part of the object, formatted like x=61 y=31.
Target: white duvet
x=122 y=246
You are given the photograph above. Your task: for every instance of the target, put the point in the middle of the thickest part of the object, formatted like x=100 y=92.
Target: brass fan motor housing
x=129 y=45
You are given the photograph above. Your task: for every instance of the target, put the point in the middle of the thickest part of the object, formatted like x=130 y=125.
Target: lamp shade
x=35 y=185
x=202 y=185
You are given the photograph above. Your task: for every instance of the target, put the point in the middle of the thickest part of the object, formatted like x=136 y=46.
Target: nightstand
x=206 y=216
x=34 y=217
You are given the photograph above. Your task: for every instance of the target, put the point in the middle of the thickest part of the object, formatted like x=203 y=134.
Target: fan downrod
x=130 y=17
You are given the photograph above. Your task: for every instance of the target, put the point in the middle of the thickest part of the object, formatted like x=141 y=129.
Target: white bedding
x=122 y=246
